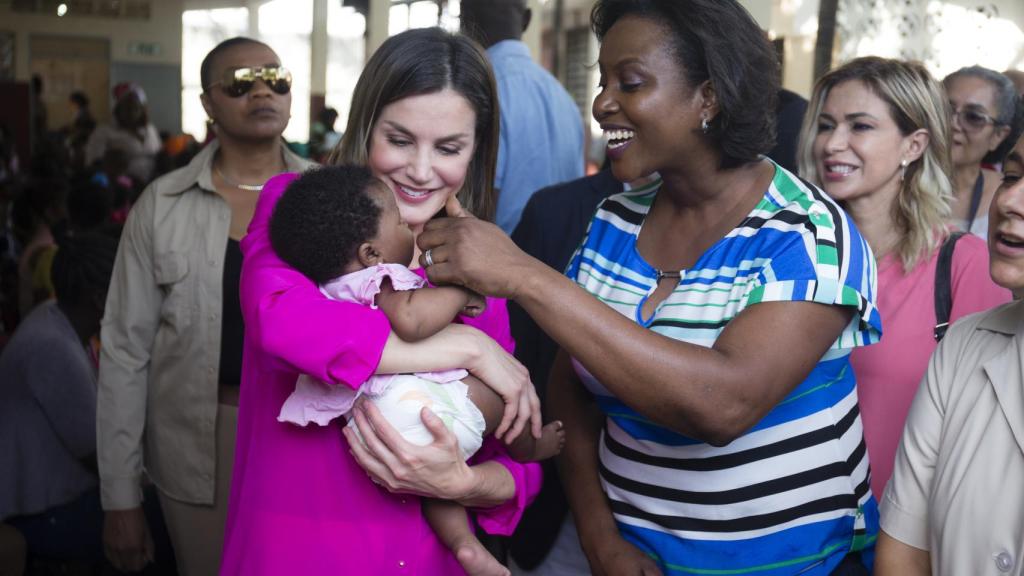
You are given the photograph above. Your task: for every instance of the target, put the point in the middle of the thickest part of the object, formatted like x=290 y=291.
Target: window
x=201 y=31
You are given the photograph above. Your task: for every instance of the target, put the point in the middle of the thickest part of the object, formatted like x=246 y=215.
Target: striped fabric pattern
x=792 y=494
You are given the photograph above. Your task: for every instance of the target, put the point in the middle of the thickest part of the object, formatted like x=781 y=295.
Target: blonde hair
x=916 y=101
x=426 y=61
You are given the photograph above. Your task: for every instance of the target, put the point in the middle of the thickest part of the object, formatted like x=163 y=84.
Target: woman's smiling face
x=421 y=148
x=858 y=148
x=646 y=107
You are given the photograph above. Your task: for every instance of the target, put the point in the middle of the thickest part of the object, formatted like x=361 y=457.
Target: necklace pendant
x=239 y=185
x=662 y=274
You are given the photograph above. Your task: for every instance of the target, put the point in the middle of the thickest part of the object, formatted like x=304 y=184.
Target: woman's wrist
x=487 y=484
x=595 y=535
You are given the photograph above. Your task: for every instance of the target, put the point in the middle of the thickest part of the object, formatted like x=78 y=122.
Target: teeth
x=414 y=193
x=841 y=169
x=1011 y=240
x=614 y=135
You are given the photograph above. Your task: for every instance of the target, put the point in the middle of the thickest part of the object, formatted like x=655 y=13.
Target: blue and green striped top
x=791 y=495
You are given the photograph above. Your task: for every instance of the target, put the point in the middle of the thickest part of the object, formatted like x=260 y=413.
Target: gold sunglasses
x=239 y=81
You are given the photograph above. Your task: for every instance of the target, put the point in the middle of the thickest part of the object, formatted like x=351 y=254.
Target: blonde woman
x=876 y=139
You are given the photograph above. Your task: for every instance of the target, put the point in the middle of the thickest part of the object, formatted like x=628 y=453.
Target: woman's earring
x=705 y=126
x=903 y=169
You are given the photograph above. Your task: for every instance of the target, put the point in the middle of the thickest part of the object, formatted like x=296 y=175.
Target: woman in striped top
x=706 y=325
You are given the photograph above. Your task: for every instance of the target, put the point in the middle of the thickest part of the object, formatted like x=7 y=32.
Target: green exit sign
x=144 y=48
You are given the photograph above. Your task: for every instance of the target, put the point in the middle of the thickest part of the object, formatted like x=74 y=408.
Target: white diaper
x=407 y=394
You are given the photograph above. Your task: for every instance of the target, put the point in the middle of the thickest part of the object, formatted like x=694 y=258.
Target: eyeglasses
x=239 y=81
x=972 y=120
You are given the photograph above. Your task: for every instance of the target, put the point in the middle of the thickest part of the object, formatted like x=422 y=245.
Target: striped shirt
x=791 y=495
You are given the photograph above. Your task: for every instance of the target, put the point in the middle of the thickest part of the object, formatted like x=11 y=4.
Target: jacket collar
x=1005 y=370
x=1006 y=319
x=199 y=170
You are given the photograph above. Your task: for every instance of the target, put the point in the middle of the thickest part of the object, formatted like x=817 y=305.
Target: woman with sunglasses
x=876 y=139
x=170 y=367
x=983 y=104
x=308 y=500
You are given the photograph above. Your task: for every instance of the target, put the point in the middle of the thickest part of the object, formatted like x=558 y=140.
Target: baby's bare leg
x=525 y=448
x=448 y=520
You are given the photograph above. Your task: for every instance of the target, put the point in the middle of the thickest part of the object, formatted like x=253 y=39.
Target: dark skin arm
x=421 y=313
x=606 y=550
x=712 y=394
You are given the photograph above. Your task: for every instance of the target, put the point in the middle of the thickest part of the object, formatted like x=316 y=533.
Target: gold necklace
x=240 y=186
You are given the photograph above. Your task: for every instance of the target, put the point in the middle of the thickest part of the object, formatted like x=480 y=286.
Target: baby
x=341 y=227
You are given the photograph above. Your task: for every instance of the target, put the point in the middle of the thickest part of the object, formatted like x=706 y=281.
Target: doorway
x=67 y=64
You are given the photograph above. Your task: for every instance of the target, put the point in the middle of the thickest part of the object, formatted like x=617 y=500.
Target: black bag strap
x=943 y=285
x=979 y=188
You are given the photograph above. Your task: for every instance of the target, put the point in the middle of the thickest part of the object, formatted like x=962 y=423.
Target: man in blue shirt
x=541 y=127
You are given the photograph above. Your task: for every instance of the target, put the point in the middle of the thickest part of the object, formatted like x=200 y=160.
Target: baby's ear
x=368 y=255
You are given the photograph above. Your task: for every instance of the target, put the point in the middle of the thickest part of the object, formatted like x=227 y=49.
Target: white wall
x=944 y=35
x=163 y=28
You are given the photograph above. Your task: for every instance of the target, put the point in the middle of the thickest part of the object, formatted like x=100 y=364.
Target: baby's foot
x=476 y=560
x=551 y=442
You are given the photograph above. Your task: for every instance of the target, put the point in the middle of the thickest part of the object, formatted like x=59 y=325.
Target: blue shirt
x=541 y=131
x=791 y=495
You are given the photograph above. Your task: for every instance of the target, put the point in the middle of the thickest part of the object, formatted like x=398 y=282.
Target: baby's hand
x=475 y=306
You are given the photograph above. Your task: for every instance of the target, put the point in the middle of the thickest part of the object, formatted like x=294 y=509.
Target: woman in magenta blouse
x=424 y=120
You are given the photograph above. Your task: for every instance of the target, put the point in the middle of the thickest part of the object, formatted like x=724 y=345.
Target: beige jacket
x=958 y=485
x=157 y=398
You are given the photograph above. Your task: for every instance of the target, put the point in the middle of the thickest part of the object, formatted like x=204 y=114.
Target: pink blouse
x=300 y=504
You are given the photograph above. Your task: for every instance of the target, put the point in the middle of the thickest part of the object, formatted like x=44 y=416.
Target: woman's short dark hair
x=425 y=61
x=322 y=218
x=82 y=267
x=716 y=40
x=206 y=68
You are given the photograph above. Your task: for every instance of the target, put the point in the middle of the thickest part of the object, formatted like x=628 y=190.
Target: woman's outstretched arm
x=713 y=394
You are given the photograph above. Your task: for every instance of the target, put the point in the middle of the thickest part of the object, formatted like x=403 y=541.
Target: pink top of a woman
x=300 y=504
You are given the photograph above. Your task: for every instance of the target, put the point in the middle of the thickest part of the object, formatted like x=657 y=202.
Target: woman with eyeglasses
x=876 y=139
x=170 y=367
x=983 y=104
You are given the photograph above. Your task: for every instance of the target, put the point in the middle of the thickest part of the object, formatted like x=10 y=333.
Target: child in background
x=341 y=227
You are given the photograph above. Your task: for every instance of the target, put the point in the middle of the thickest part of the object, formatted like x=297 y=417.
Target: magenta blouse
x=300 y=504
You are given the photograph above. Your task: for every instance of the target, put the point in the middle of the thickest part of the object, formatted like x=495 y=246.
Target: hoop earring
x=903 y=169
x=705 y=125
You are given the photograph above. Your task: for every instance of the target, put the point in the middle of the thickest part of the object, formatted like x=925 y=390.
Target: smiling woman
x=876 y=140
x=707 y=320
x=304 y=499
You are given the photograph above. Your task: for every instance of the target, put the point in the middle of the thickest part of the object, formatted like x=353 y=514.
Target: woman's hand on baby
x=476 y=254
x=501 y=372
x=436 y=470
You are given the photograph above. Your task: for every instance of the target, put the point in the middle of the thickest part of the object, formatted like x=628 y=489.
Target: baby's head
x=336 y=220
